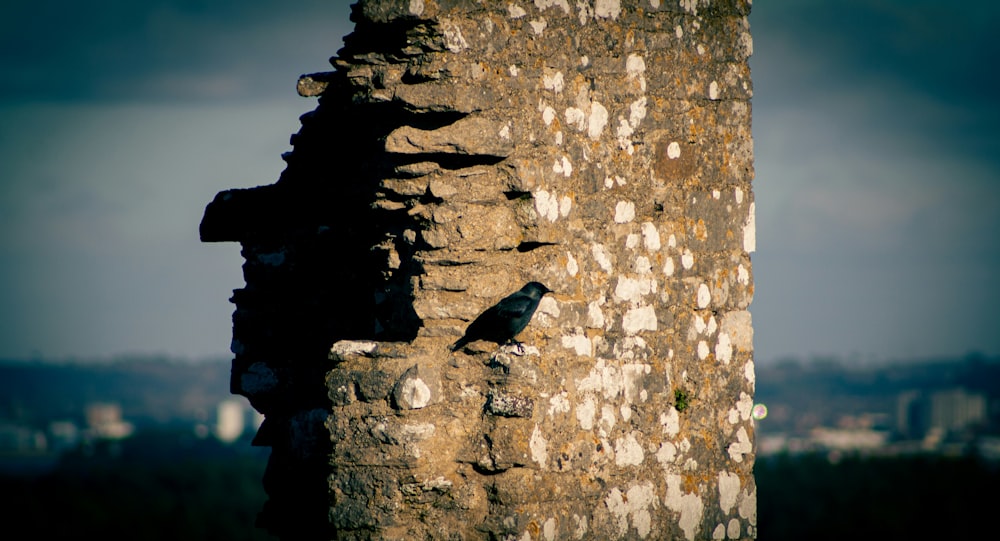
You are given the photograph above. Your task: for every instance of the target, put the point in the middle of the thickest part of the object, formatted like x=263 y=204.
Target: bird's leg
x=518 y=345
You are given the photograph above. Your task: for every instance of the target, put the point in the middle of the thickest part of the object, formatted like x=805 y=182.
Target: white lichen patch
x=704 y=296
x=668 y=266
x=545 y=4
x=639 y=319
x=597 y=121
x=601 y=256
x=565 y=205
x=572 y=267
x=635 y=68
x=415 y=393
x=549 y=529
x=553 y=80
x=576 y=117
x=634 y=289
x=416 y=7
x=563 y=166
x=548 y=310
x=733 y=530
x=559 y=404
x=548 y=115
x=607 y=421
x=539 y=448
x=748 y=506
x=515 y=11
x=744 y=406
x=581 y=526
x=586 y=411
x=538 y=26
x=628 y=452
x=611 y=381
x=738 y=325
x=741 y=446
x=700 y=326
x=703 y=350
x=624 y=212
x=453 y=38
x=415 y=432
x=729 y=490
x=635 y=504
x=546 y=205
x=742 y=275
x=689 y=506
x=750 y=230
x=671 y=422
x=607 y=9
x=749 y=373
x=579 y=343
x=637 y=112
x=643 y=265
x=343 y=348
x=738 y=194
x=650 y=236
x=713 y=90
x=687 y=259
x=666 y=454
x=595 y=316
x=624 y=134
x=724 y=348
x=632 y=241
x=674 y=150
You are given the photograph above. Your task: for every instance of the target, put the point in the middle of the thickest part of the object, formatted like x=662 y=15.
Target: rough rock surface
x=459 y=149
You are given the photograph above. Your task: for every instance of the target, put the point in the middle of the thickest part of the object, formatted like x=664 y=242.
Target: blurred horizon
x=877 y=161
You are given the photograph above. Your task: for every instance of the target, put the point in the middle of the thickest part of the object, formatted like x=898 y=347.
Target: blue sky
x=877 y=160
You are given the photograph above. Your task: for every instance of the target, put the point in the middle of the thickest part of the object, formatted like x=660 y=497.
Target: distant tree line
x=881 y=498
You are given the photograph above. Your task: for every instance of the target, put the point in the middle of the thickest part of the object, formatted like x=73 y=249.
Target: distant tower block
x=458 y=151
x=231 y=420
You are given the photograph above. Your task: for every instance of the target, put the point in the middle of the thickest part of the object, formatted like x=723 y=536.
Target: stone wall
x=459 y=149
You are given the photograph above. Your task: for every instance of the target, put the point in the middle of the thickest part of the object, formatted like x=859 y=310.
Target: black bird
x=501 y=322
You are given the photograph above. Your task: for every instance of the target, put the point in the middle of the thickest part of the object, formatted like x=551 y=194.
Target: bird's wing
x=515 y=306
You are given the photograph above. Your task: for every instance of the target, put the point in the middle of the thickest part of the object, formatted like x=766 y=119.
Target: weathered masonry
x=459 y=149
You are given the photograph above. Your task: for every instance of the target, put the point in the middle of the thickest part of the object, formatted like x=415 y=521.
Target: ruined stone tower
x=459 y=149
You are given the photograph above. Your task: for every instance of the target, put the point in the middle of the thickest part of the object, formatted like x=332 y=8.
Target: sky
x=876 y=152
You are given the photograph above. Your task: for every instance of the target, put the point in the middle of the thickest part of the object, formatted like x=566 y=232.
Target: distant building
x=104 y=421
x=64 y=435
x=17 y=439
x=849 y=439
x=911 y=415
x=938 y=415
x=956 y=410
x=231 y=417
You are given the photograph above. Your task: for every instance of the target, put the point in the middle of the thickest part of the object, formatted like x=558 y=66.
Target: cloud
x=99 y=213
x=877 y=179
x=124 y=50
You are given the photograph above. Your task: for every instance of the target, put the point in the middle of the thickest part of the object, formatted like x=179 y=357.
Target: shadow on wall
x=329 y=255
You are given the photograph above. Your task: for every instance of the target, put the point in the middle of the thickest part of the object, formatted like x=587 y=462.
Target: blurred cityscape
x=946 y=407
x=157 y=449
x=48 y=410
